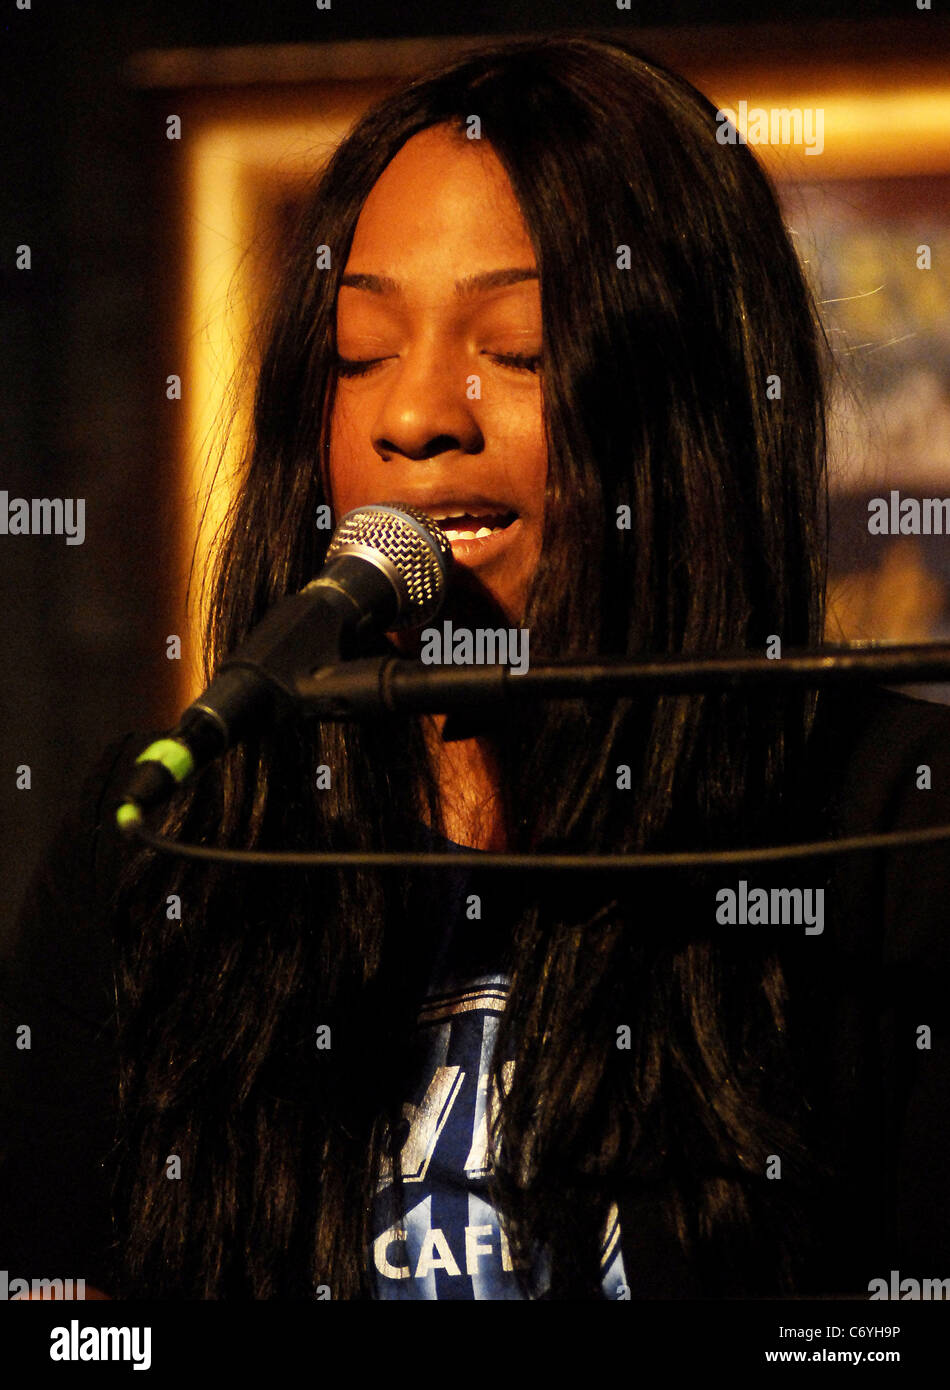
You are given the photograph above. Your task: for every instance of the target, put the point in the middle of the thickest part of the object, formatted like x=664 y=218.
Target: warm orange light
x=895 y=129
x=231 y=168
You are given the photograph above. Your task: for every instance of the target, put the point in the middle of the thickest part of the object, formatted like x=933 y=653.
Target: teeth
x=444 y=515
x=471 y=535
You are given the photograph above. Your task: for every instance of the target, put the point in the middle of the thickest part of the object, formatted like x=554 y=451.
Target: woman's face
x=439 y=294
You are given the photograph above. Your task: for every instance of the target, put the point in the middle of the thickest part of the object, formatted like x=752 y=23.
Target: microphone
x=386 y=568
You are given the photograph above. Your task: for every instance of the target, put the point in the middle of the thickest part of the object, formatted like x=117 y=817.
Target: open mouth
x=466 y=526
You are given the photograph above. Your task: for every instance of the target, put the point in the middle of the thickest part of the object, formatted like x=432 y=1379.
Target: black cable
x=478 y=859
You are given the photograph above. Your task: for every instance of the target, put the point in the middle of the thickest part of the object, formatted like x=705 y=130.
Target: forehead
x=443 y=200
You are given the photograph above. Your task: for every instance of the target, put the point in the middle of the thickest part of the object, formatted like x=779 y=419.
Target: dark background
x=82 y=387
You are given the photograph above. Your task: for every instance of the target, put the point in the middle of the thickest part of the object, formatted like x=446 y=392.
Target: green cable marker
x=173 y=755
x=158 y=769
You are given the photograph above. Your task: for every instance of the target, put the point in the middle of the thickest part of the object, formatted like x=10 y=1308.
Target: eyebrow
x=472 y=284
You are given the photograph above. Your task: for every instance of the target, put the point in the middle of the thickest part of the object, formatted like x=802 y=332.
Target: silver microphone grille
x=408 y=546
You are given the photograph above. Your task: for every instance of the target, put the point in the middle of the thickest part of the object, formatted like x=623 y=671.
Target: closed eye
x=360 y=366
x=357 y=366
x=518 y=362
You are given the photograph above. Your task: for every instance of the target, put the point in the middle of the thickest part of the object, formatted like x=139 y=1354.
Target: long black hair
x=656 y=373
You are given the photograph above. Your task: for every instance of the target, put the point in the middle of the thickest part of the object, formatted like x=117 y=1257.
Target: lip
x=481 y=551
x=472 y=505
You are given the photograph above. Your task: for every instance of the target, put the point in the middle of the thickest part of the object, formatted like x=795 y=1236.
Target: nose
x=427 y=408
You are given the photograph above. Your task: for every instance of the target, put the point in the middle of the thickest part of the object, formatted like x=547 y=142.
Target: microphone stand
x=366 y=686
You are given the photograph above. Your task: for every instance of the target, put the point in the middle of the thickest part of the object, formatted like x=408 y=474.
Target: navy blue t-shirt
x=444 y=1240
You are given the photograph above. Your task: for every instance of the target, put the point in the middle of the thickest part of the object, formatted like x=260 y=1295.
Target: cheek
x=522 y=450
x=346 y=482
